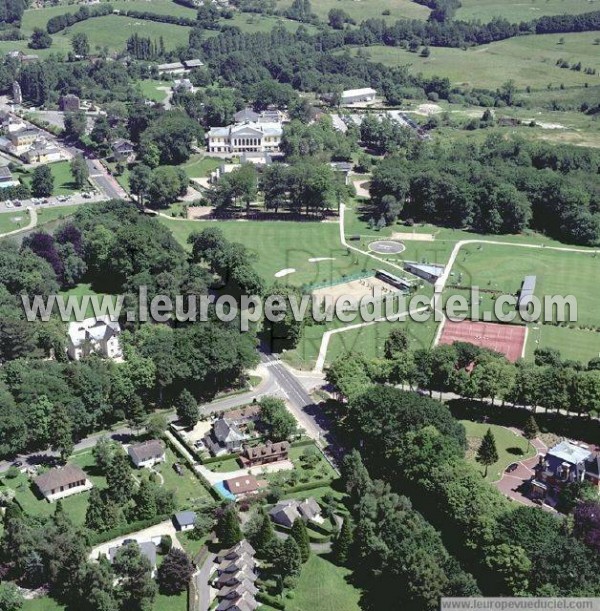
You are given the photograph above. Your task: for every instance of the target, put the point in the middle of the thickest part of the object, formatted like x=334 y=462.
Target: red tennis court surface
x=509 y=340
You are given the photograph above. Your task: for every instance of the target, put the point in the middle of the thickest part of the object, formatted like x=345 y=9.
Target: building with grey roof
x=62 y=482
x=184 y=520
x=147 y=453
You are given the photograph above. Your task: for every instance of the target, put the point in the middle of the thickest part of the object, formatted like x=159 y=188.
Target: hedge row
x=309 y=486
x=61 y=22
x=267 y=599
x=126 y=529
x=148 y=16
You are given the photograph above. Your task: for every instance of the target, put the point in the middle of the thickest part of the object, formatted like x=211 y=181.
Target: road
x=202 y=600
x=104 y=181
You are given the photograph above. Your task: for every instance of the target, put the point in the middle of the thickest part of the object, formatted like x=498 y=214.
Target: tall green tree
x=119 y=478
x=530 y=430
x=228 y=527
x=42 y=181
x=300 y=534
x=80 y=171
x=342 y=544
x=289 y=561
x=61 y=433
x=175 y=572
x=487 y=454
x=187 y=409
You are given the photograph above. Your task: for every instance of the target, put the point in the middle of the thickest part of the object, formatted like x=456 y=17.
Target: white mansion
x=252 y=133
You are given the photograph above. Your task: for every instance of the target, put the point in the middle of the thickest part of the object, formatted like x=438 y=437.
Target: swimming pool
x=222 y=490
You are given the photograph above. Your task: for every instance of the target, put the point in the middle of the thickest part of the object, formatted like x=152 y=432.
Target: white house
x=352 y=96
x=247 y=137
x=287 y=512
x=94 y=335
x=147 y=454
x=62 y=482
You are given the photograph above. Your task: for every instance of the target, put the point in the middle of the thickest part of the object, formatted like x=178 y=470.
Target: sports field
x=522 y=10
x=575 y=344
x=360 y=10
x=527 y=60
x=285 y=245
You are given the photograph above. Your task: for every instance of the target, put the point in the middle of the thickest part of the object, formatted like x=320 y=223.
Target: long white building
x=248 y=137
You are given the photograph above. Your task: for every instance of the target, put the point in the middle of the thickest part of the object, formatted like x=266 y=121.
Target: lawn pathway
x=33 y=218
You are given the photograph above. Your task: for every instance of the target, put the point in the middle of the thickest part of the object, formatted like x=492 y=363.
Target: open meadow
x=527 y=60
x=522 y=10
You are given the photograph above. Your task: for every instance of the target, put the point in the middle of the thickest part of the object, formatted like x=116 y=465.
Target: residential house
x=242 y=486
x=23 y=139
x=69 y=103
x=62 y=482
x=264 y=454
x=123 y=150
x=147 y=453
x=184 y=520
x=236 y=577
x=225 y=437
x=244 y=415
x=354 y=96
x=7 y=179
x=192 y=64
x=247 y=137
x=42 y=152
x=565 y=463
x=94 y=335
x=285 y=513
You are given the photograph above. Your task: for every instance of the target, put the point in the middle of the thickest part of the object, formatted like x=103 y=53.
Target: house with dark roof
x=236 y=577
x=264 y=454
x=224 y=437
x=191 y=64
x=62 y=482
x=184 y=520
x=123 y=150
x=147 y=453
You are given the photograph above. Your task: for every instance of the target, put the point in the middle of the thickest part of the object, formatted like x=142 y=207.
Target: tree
x=228 y=527
x=42 y=182
x=61 y=433
x=75 y=124
x=175 y=572
x=300 y=534
x=512 y=565
x=145 y=500
x=139 y=181
x=119 y=479
x=136 y=413
x=343 y=542
x=80 y=44
x=10 y=597
x=280 y=423
x=187 y=409
x=396 y=342
x=530 y=430
x=40 y=39
x=487 y=454
x=103 y=453
x=157 y=425
x=167 y=183
x=586 y=524
x=80 y=171
x=264 y=535
x=289 y=562
x=137 y=588
x=94 y=516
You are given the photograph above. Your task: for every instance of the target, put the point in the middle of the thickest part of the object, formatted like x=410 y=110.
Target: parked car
x=17 y=463
x=178 y=468
x=17 y=203
x=512 y=467
x=9 y=204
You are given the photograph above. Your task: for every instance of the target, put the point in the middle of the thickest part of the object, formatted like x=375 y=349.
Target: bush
x=272 y=601
x=12 y=473
x=166 y=543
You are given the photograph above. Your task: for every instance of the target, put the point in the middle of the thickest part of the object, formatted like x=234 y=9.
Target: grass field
x=285 y=245
x=522 y=10
x=324 y=586
x=527 y=60
x=200 y=166
x=61 y=171
x=150 y=89
x=9 y=221
x=252 y=23
x=75 y=505
x=360 y=10
x=577 y=344
x=161 y=603
x=511 y=447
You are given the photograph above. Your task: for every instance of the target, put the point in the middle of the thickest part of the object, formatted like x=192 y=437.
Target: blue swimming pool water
x=220 y=488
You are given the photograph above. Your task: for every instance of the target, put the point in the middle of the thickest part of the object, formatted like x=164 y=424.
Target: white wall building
x=147 y=454
x=249 y=137
x=94 y=335
x=352 y=96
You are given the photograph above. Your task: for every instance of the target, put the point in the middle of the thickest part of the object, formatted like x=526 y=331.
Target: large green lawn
x=161 y=603
x=576 y=344
x=522 y=10
x=527 y=60
x=368 y=9
x=510 y=446
x=9 y=221
x=63 y=178
x=200 y=166
x=324 y=586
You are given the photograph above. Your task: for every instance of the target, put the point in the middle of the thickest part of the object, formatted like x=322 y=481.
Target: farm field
x=369 y=9
x=576 y=344
x=511 y=447
x=521 y=10
x=527 y=60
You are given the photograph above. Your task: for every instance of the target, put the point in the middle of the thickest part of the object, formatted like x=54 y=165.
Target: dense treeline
x=142 y=47
x=500 y=186
x=119 y=250
x=418 y=448
x=396 y=555
x=60 y=22
x=11 y=11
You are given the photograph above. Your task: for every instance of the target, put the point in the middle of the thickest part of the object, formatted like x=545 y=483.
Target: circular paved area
x=386 y=247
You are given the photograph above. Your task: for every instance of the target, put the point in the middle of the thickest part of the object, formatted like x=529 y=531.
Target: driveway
x=201 y=592
x=513 y=484
x=215 y=478
x=154 y=533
